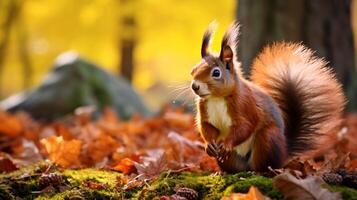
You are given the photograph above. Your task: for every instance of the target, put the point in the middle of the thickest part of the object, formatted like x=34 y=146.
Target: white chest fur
x=218 y=116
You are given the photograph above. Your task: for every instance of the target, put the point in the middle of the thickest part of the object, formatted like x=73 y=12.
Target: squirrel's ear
x=229 y=42
x=207 y=38
x=226 y=54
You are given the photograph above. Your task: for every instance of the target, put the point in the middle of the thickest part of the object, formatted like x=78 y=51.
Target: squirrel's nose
x=195 y=87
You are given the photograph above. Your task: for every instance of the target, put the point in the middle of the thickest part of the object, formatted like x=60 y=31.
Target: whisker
x=181 y=93
x=179 y=84
x=179 y=88
x=175 y=93
x=189 y=98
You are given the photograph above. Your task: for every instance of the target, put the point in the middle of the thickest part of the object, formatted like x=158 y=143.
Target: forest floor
x=161 y=157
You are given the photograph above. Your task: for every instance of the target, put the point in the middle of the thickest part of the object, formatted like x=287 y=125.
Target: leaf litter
x=142 y=148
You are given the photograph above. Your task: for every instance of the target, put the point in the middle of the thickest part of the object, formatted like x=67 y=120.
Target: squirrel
x=290 y=102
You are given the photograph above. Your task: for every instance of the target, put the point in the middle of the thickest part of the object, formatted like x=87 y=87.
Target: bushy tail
x=310 y=97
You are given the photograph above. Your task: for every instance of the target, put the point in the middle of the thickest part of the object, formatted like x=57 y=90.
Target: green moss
x=24 y=184
x=82 y=193
x=100 y=176
x=262 y=183
x=208 y=186
x=346 y=192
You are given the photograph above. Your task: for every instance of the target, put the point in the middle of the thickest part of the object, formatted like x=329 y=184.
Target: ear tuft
x=230 y=39
x=207 y=38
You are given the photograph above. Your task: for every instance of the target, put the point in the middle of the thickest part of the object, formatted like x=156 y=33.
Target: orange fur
x=314 y=86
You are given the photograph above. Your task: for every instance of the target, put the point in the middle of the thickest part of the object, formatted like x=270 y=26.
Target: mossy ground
x=24 y=184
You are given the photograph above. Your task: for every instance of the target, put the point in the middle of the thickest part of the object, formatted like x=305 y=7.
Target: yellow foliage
x=168 y=36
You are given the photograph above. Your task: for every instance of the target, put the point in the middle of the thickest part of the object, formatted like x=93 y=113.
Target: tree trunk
x=10 y=17
x=24 y=54
x=127 y=41
x=127 y=53
x=322 y=25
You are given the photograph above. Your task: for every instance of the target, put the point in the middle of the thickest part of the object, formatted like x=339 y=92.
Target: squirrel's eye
x=216 y=73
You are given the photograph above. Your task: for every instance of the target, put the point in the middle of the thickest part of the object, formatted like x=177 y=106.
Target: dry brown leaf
x=152 y=165
x=26 y=153
x=108 y=140
x=304 y=166
x=179 y=119
x=64 y=153
x=10 y=125
x=304 y=189
x=125 y=166
x=6 y=164
x=102 y=146
x=94 y=185
x=332 y=165
x=253 y=194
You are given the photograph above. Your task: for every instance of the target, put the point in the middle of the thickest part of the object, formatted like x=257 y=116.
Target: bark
x=127 y=58
x=127 y=41
x=322 y=25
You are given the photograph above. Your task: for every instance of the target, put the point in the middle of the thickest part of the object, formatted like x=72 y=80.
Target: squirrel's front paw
x=218 y=151
x=212 y=149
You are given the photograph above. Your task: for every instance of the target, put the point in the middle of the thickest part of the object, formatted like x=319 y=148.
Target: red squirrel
x=290 y=101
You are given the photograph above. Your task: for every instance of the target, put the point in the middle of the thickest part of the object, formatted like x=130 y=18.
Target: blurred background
x=154 y=44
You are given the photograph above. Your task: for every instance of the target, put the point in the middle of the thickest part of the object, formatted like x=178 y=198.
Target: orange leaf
x=125 y=166
x=10 y=125
x=253 y=194
x=6 y=164
x=94 y=185
x=62 y=152
x=101 y=146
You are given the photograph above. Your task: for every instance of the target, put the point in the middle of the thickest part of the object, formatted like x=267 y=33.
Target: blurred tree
x=127 y=42
x=11 y=9
x=322 y=25
x=24 y=54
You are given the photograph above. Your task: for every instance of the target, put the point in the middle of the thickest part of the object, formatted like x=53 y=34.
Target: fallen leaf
x=101 y=146
x=94 y=185
x=6 y=164
x=179 y=119
x=10 y=125
x=303 y=166
x=184 y=141
x=152 y=165
x=27 y=153
x=125 y=166
x=253 y=194
x=64 y=153
x=133 y=184
x=121 y=181
x=333 y=165
x=307 y=188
